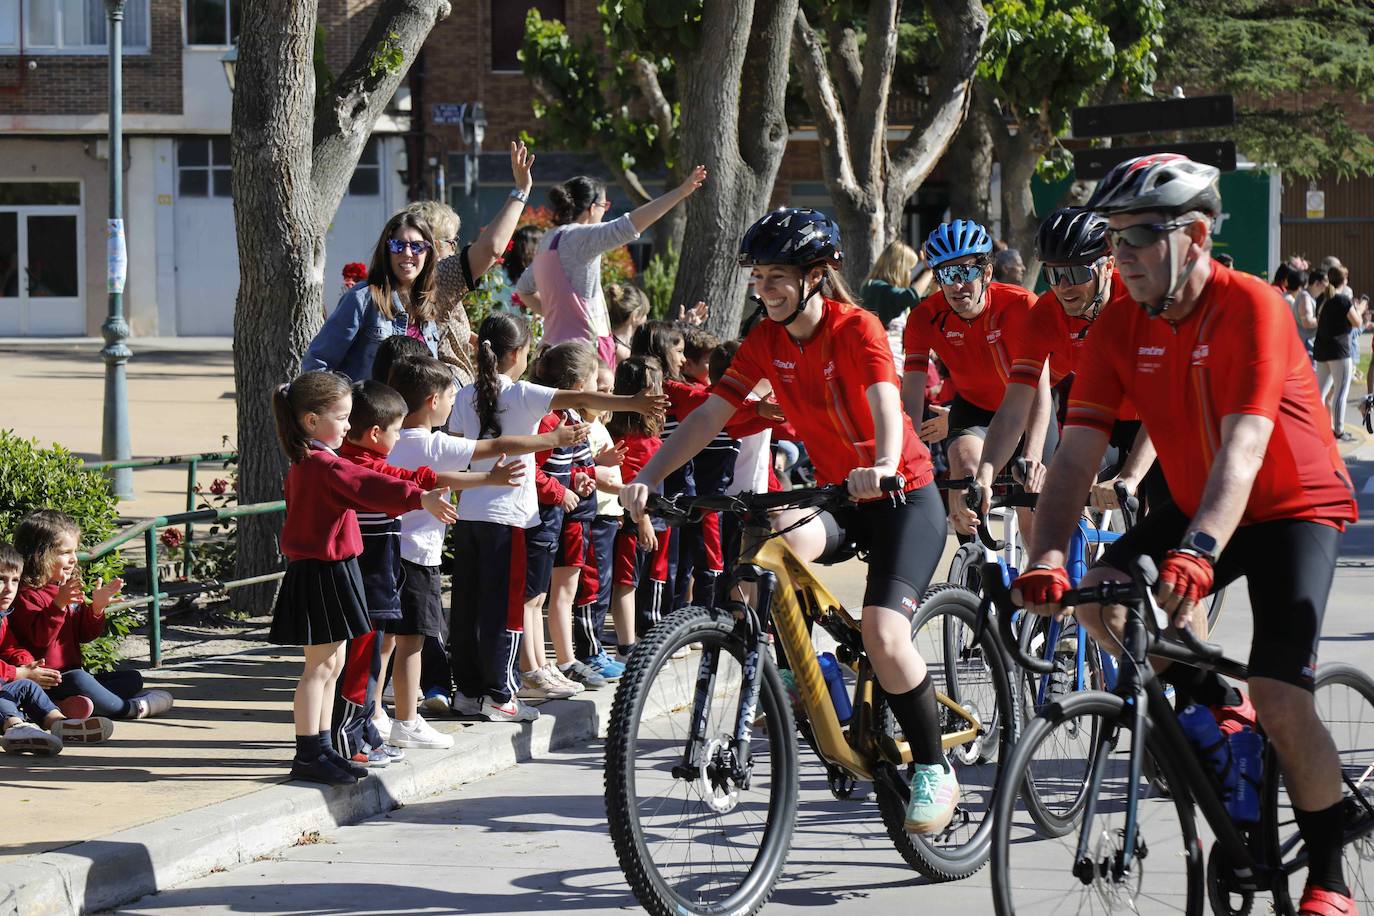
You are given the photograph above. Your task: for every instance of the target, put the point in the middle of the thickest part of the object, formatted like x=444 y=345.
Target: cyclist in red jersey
x=968 y=322
x=830 y=366
x=1214 y=365
x=1072 y=245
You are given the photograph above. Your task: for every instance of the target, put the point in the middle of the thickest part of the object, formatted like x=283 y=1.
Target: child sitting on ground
x=21 y=688
x=51 y=620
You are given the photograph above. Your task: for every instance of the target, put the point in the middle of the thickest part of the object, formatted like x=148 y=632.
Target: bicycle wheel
x=966 y=568
x=972 y=673
x=1055 y=787
x=1345 y=702
x=697 y=838
x=1030 y=878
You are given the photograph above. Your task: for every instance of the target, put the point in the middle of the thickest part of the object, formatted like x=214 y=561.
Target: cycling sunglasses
x=1074 y=274
x=1141 y=235
x=950 y=274
x=396 y=246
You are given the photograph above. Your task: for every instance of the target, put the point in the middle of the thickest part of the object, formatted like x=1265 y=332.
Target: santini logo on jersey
x=1200 y=354
x=1151 y=351
x=784 y=364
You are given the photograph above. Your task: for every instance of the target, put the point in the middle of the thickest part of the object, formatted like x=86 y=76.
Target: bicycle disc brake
x=715 y=777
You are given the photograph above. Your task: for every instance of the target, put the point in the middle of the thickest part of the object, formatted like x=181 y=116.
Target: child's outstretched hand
x=436 y=503
x=648 y=404
x=695 y=316
x=565 y=433
x=584 y=484
x=506 y=473
x=69 y=592
x=570 y=499
x=612 y=455
x=104 y=591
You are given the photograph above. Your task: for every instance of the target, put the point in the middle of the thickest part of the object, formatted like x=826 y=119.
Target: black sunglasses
x=1141 y=235
x=1074 y=274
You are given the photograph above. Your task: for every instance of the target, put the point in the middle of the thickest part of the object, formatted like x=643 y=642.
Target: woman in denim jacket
x=398 y=297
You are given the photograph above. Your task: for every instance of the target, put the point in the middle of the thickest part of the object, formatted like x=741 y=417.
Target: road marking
x=1368 y=486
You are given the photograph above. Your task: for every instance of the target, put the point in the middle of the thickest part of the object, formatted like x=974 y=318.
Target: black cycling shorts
x=904 y=543
x=1288 y=566
x=966 y=419
x=1152 y=490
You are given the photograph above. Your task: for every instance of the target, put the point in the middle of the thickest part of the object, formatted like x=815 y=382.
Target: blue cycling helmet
x=956 y=239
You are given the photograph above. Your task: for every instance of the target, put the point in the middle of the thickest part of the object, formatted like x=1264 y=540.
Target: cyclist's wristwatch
x=1202 y=544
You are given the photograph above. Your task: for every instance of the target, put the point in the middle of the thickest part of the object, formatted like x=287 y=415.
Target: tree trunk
x=1019 y=222
x=732 y=120
x=970 y=168
x=292 y=159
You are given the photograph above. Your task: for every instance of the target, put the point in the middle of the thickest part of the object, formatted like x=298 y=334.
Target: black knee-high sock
x=1323 y=831
x=916 y=714
x=308 y=747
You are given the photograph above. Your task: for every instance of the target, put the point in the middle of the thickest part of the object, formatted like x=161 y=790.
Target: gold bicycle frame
x=860 y=748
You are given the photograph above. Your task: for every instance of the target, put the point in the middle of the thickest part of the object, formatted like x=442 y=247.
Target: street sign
x=1091 y=164
x=447 y=112
x=1153 y=117
x=1316 y=204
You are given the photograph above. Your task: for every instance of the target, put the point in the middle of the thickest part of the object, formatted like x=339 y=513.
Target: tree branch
x=868 y=119
x=344 y=118
x=844 y=57
x=836 y=159
x=660 y=111
x=962 y=26
x=763 y=84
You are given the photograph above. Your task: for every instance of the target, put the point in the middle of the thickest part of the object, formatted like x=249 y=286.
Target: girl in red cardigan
x=52 y=619
x=321 y=603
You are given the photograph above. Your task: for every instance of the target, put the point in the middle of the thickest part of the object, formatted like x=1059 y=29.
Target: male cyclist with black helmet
x=968 y=322
x=830 y=366
x=1080 y=271
x=1213 y=363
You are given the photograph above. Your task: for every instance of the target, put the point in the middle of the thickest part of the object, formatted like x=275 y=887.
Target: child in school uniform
x=322 y=602
x=590 y=622
x=426 y=385
x=490 y=541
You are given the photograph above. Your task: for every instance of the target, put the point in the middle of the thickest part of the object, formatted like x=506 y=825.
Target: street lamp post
x=114 y=444
x=474 y=130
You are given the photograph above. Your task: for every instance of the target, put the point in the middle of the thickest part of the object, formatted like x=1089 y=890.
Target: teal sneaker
x=934 y=793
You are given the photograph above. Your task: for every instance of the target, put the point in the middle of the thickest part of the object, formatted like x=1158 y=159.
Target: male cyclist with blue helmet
x=968 y=322
x=831 y=368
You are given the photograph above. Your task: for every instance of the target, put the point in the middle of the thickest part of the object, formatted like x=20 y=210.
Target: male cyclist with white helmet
x=968 y=322
x=831 y=368
x=1213 y=363
x=1081 y=273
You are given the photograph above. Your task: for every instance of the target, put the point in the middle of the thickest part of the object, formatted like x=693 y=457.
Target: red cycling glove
x=1043 y=586
x=1189 y=575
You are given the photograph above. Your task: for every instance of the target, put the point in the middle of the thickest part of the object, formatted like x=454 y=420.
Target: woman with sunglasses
x=563 y=282
x=968 y=322
x=1081 y=273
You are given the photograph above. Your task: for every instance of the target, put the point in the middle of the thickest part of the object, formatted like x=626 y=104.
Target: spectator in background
x=1303 y=307
x=1280 y=281
x=1007 y=267
x=1224 y=259
x=1332 y=349
x=888 y=291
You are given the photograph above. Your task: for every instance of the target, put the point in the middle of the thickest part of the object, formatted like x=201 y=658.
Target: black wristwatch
x=1202 y=544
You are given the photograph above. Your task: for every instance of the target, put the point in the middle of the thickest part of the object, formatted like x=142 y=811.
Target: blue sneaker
x=604 y=665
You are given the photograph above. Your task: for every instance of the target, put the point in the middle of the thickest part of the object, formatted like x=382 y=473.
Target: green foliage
x=52 y=478
x=481 y=301
x=1043 y=58
x=1286 y=63
x=672 y=26
x=658 y=280
x=324 y=77
x=388 y=57
x=597 y=110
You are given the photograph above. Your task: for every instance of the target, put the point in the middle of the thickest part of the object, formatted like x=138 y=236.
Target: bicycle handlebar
x=1139 y=589
x=1130 y=505
x=680 y=509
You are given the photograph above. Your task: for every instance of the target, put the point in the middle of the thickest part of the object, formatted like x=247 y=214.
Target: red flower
x=219 y=486
x=171 y=538
x=354 y=272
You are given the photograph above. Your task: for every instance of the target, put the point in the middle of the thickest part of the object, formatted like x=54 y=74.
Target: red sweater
x=422 y=477
x=685 y=397
x=11 y=653
x=45 y=630
x=322 y=490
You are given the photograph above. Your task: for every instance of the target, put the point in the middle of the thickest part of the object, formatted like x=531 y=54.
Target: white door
x=41 y=263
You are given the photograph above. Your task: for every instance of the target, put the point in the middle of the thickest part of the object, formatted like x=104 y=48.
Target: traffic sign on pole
x=1154 y=117
x=1091 y=164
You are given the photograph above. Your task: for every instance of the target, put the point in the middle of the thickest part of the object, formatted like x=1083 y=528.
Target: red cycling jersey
x=821 y=386
x=1047 y=333
x=1236 y=353
x=975 y=352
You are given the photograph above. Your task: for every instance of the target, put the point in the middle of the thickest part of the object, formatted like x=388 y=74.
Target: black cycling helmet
x=1163 y=182
x=795 y=237
x=1072 y=236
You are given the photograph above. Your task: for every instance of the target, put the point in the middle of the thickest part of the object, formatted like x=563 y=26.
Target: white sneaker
x=418 y=734
x=438 y=704
x=510 y=711
x=540 y=685
x=564 y=680
x=466 y=706
x=682 y=651
x=26 y=738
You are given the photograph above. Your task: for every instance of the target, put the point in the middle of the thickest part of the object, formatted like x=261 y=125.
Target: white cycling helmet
x=1162 y=182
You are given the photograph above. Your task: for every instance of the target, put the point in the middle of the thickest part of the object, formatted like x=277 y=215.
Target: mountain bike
x=702 y=760
x=1137 y=845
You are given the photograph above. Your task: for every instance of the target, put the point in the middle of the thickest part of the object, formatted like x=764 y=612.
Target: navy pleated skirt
x=320 y=601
